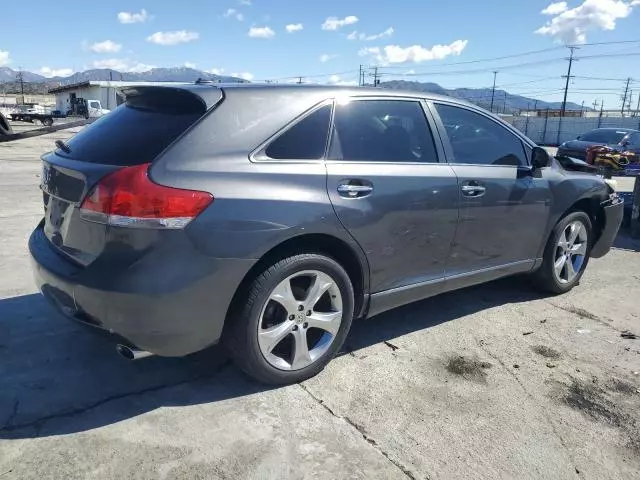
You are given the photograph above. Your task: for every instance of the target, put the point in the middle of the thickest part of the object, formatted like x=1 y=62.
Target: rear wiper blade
x=63 y=146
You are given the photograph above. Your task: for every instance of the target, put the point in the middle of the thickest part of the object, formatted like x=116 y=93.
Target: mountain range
x=503 y=101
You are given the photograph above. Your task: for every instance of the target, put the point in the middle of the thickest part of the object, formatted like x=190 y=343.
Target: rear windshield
x=604 y=136
x=138 y=130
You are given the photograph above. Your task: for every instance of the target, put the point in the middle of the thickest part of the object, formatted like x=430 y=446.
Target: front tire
x=566 y=255
x=291 y=320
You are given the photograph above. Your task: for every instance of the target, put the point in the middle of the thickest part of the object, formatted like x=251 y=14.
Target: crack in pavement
x=40 y=422
x=582 y=313
x=361 y=430
x=534 y=400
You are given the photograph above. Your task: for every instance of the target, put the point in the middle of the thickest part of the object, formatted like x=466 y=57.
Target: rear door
x=504 y=204
x=390 y=191
x=133 y=134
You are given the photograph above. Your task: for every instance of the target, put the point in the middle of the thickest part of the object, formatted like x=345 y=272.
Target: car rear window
x=605 y=136
x=138 y=130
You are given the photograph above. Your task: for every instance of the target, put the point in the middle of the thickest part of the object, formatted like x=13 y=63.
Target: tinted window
x=306 y=140
x=634 y=140
x=476 y=139
x=138 y=130
x=607 y=136
x=382 y=131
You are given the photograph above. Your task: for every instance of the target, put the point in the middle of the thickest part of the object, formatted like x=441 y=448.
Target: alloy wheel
x=300 y=320
x=570 y=252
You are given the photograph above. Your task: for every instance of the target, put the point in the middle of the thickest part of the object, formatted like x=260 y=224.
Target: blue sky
x=275 y=39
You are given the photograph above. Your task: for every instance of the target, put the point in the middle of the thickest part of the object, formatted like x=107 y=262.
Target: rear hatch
x=134 y=134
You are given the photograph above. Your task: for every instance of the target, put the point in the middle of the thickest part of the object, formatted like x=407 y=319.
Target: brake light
x=128 y=198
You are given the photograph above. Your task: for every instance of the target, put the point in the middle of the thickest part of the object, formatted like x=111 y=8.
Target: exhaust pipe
x=132 y=353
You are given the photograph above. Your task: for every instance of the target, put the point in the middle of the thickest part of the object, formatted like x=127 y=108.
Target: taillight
x=128 y=198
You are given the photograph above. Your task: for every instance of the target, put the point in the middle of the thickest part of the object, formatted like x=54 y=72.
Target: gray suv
x=268 y=217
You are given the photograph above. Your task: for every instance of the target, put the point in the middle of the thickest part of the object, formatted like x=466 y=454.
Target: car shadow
x=623 y=241
x=57 y=378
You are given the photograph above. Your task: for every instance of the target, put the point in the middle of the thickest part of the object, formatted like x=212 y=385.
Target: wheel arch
x=354 y=263
x=589 y=205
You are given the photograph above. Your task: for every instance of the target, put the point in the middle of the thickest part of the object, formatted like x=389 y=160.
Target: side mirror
x=540 y=158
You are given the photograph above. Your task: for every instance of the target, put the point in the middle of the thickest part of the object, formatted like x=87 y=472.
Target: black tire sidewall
x=246 y=350
x=549 y=255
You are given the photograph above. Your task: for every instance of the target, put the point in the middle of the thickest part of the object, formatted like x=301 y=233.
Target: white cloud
x=122 y=65
x=334 y=23
x=363 y=36
x=233 y=13
x=555 y=8
x=55 y=72
x=261 y=32
x=244 y=2
x=325 y=57
x=189 y=65
x=108 y=46
x=336 y=80
x=410 y=72
x=216 y=71
x=173 y=38
x=294 y=27
x=128 y=17
x=4 y=58
x=244 y=75
x=414 y=53
x=571 y=25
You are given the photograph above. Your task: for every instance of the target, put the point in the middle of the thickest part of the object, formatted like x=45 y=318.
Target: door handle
x=473 y=190
x=354 y=191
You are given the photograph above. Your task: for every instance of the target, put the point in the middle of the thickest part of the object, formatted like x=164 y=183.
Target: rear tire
x=277 y=332
x=566 y=254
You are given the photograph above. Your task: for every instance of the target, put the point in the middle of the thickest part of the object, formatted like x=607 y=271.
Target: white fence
x=555 y=130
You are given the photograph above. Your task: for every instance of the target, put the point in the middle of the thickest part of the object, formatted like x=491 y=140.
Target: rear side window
x=476 y=139
x=306 y=140
x=138 y=130
x=382 y=131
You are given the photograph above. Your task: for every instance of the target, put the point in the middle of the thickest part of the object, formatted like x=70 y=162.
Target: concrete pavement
x=492 y=382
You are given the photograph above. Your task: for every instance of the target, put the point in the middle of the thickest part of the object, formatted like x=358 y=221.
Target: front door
x=390 y=191
x=504 y=204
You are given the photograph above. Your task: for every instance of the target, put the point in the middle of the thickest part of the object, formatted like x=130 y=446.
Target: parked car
x=619 y=138
x=268 y=217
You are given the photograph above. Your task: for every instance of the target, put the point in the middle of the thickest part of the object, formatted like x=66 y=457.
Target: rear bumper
x=172 y=302
x=613 y=213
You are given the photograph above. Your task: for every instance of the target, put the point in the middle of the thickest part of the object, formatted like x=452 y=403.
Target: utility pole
x=624 y=96
x=504 y=103
x=638 y=107
x=299 y=80
x=595 y=104
x=493 y=90
x=582 y=109
x=376 y=81
x=20 y=78
x=360 y=82
x=566 y=86
x=629 y=102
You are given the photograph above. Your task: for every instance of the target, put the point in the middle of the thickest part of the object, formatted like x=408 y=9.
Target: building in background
x=105 y=91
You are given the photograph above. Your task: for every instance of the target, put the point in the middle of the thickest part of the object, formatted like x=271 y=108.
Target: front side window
x=478 y=140
x=306 y=140
x=382 y=131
